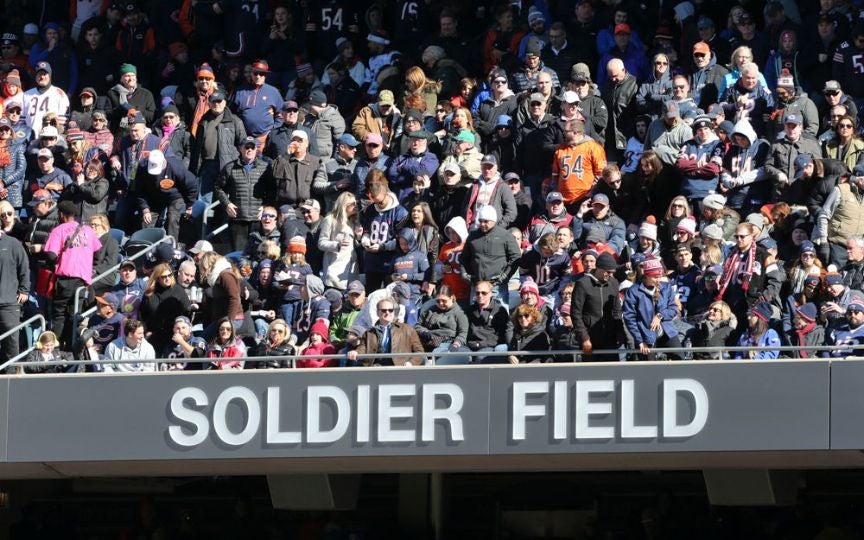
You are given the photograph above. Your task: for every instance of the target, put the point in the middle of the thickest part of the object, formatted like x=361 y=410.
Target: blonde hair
x=6 y=206
x=154 y=278
x=208 y=262
x=725 y=310
x=271 y=250
x=743 y=49
x=680 y=198
x=45 y=338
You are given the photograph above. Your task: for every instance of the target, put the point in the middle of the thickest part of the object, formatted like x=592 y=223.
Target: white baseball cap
x=156 y=162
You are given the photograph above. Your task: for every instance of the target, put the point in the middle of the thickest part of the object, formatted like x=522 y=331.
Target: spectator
x=279 y=138
x=130 y=353
x=45 y=350
x=649 y=307
x=744 y=176
x=339 y=170
x=221 y=135
x=266 y=230
x=183 y=345
x=374 y=158
x=128 y=95
x=489 y=325
x=657 y=90
x=628 y=52
x=14 y=291
x=54 y=50
x=172 y=133
x=380 y=118
x=601 y=221
x=295 y=173
x=222 y=290
x=318 y=344
x=338 y=243
x=851 y=334
x=529 y=335
x=98 y=134
x=836 y=222
x=846 y=146
x=491 y=253
x=853 y=271
x=489 y=190
x=707 y=80
x=225 y=344
x=388 y=336
x=715 y=330
x=274 y=348
x=167 y=187
x=418 y=161
x=759 y=334
x=71 y=247
x=806 y=331
x=241 y=188
x=12 y=166
x=106 y=258
x=164 y=300
x=443 y=328
x=596 y=310
x=348 y=315
x=325 y=122
x=618 y=94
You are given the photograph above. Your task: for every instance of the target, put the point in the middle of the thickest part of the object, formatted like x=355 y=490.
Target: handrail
x=205 y=218
x=432 y=356
x=14 y=331
x=76 y=303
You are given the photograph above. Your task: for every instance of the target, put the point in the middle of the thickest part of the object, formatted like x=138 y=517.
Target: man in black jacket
x=14 y=290
x=241 y=190
x=596 y=310
x=168 y=185
x=215 y=145
x=491 y=253
x=489 y=324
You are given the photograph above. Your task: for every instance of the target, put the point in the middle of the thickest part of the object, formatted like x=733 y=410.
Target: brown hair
x=524 y=309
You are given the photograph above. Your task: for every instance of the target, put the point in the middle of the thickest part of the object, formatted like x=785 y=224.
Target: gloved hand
x=728 y=182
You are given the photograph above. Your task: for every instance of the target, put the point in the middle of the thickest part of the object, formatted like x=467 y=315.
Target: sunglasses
x=844 y=126
x=484 y=293
x=536 y=103
x=7 y=214
x=525 y=316
x=372 y=145
x=268 y=216
x=661 y=63
x=739 y=236
x=259 y=73
x=853 y=311
x=677 y=206
x=383 y=310
x=499 y=81
x=699 y=55
x=166 y=276
x=715 y=309
x=440 y=110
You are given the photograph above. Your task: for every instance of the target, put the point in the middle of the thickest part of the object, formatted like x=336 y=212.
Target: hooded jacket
x=12 y=175
x=654 y=93
x=328 y=125
x=550 y=273
x=745 y=170
x=119 y=350
x=448 y=268
x=705 y=83
x=412 y=264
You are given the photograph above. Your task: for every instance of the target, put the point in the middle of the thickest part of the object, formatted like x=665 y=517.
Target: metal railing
x=430 y=359
x=14 y=334
x=76 y=302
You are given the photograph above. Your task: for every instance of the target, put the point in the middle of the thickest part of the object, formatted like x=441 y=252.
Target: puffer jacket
x=444 y=324
x=245 y=188
x=12 y=175
x=327 y=126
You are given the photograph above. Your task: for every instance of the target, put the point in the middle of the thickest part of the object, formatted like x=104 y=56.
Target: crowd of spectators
x=411 y=177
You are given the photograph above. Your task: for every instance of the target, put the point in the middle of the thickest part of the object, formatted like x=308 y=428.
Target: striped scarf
x=734 y=266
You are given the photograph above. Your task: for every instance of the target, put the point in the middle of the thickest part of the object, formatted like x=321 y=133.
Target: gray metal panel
x=847 y=404
x=112 y=418
x=752 y=406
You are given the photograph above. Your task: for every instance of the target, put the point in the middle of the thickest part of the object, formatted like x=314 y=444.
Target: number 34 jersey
x=38 y=104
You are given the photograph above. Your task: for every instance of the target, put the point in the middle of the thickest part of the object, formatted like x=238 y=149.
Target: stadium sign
x=556 y=409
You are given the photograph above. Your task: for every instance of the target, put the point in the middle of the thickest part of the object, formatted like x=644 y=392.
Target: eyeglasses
x=536 y=103
x=844 y=126
x=385 y=310
x=98 y=120
x=372 y=145
x=268 y=216
x=740 y=236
